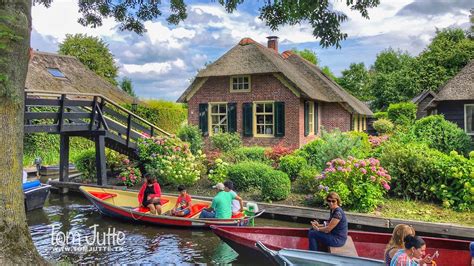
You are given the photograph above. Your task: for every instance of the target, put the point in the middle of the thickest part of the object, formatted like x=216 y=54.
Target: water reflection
x=74 y=215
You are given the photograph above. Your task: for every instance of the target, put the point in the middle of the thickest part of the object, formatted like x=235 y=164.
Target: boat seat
x=145 y=209
x=196 y=208
x=347 y=250
x=238 y=215
x=103 y=195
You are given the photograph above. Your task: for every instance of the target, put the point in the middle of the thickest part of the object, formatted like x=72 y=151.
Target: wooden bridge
x=90 y=116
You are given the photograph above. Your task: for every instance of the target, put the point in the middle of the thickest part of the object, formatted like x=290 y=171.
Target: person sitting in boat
x=412 y=254
x=396 y=242
x=183 y=203
x=334 y=234
x=237 y=203
x=150 y=194
x=221 y=204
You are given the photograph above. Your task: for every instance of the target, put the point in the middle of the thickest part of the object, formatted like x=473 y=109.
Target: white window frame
x=231 y=82
x=465 y=119
x=210 y=114
x=264 y=113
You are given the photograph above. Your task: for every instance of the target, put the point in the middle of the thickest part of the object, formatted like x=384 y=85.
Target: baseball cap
x=219 y=186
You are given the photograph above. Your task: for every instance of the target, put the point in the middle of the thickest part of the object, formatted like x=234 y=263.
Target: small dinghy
x=35 y=194
x=124 y=205
x=289 y=257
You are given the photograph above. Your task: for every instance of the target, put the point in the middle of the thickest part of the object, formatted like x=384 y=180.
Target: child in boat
x=396 y=242
x=237 y=203
x=150 y=194
x=183 y=203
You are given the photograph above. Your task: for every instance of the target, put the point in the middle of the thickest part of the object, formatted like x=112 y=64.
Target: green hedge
x=275 y=185
x=255 y=153
x=402 y=113
x=383 y=126
x=226 y=141
x=192 y=135
x=292 y=165
x=246 y=175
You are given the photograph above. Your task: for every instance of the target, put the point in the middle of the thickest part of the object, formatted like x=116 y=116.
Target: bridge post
x=64 y=161
x=100 y=160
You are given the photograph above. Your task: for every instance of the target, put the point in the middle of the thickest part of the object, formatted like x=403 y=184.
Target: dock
x=356 y=221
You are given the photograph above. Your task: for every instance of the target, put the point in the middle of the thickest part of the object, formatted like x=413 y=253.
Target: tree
x=356 y=80
x=326 y=70
x=126 y=85
x=16 y=245
x=307 y=54
x=93 y=53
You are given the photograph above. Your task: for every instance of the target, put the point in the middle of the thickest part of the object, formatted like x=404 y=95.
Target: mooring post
x=100 y=160
x=64 y=161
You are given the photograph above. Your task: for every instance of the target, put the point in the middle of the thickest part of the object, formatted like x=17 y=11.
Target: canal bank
x=303 y=215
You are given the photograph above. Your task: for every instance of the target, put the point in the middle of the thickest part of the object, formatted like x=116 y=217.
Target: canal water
x=66 y=230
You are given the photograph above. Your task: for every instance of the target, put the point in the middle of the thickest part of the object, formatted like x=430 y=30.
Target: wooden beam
x=64 y=159
x=129 y=127
x=61 y=113
x=93 y=113
x=100 y=160
x=42 y=102
x=41 y=115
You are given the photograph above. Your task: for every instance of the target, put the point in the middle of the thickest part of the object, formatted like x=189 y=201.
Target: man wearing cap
x=221 y=204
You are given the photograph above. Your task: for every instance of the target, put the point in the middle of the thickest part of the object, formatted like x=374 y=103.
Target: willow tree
x=16 y=246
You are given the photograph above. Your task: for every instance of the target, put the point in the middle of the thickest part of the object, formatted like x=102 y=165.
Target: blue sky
x=162 y=61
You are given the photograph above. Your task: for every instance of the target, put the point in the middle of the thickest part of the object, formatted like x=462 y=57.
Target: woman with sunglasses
x=334 y=234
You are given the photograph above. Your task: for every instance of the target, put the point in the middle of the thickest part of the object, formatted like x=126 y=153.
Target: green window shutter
x=247 y=118
x=306 y=118
x=316 y=121
x=279 y=119
x=203 y=123
x=232 y=117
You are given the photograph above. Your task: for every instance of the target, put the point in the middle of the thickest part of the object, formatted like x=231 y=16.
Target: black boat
x=35 y=194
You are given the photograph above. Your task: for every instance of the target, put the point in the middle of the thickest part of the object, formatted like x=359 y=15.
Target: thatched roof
x=420 y=97
x=78 y=78
x=460 y=87
x=250 y=57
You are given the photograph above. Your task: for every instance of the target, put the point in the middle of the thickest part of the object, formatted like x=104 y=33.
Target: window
x=56 y=72
x=240 y=83
x=264 y=124
x=469 y=119
x=217 y=118
x=311 y=118
x=355 y=122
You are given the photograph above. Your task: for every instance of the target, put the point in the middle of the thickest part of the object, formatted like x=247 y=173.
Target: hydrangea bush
x=131 y=174
x=219 y=172
x=361 y=184
x=170 y=160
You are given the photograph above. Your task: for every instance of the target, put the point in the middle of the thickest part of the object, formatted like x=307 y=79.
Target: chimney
x=273 y=43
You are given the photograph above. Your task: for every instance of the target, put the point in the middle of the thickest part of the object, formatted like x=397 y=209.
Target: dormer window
x=240 y=84
x=56 y=72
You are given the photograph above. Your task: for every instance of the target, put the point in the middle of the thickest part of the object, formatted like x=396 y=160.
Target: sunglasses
x=331 y=201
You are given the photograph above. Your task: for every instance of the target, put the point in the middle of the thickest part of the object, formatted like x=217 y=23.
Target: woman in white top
x=237 y=204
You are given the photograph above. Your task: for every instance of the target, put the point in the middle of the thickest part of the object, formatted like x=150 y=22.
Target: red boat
x=367 y=245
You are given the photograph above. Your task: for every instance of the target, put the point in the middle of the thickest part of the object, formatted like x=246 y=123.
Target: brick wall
x=333 y=116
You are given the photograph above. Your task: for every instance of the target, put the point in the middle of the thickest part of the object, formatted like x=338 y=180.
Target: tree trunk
x=16 y=245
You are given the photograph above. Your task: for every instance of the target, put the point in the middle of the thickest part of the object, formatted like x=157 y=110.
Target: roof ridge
x=52 y=54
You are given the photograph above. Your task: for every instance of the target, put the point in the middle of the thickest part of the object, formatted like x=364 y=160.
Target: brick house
x=269 y=98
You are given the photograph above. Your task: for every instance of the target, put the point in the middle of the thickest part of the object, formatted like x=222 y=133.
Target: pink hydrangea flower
x=372 y=178
x=362 y=170
x=386 y=186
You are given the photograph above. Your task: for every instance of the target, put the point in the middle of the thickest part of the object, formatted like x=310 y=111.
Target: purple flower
x=356 y=165
x=327 y=188
x=339 y=168
x=320 y=187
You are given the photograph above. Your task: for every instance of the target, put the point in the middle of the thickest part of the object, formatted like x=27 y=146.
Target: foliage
x=170 y=160
x=361 y=184
x=402 y=113
x=356 y=80
x=442 y=135
x=85 y=163
x=93 y=53
x=256 y=154
x=307 y=54
x=126 y=86
x=226 y=141
x=305 y=181
x=219 y=172
x=168 y=116
x=376 y=141
x=131 y=174
x=116 y=162
x=380 y=115
x=275 y=185
x=422 y=173
x=191 y=134
x=292 y=165
x=383 y=126
x=327 y=71
x=276 y=152
x=246 y=175
x=333 y=145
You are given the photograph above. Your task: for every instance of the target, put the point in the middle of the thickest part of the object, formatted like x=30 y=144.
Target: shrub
x=219 y=171
x=256 y=154
x=333 y=145
x=292 y=164
x=246 y=175
x=275 y=185
x=383 y=126
x=420 y=172
x=226 y=141
x=305 y=181
x=130 y=176
x=381 y=115
x=170 y=160
x=402 y=113
x=85 y=163
x=376 y=141
x=276 y=152
x=191 y=134
x=442 y=135
x=361 y=184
